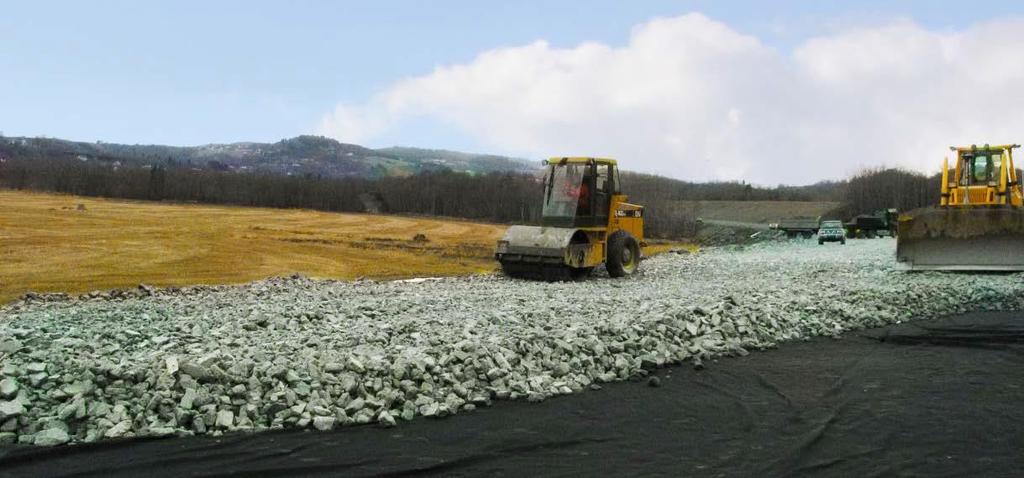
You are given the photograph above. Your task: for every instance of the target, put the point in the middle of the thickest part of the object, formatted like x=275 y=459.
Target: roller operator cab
x=585 y=222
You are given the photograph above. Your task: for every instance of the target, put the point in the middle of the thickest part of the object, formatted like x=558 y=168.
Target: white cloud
x=691 y=98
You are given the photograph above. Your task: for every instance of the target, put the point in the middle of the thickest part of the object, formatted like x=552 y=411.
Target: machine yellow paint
x=979 y=223
x=556 y=253
x=623 y=219
x=1006 y=190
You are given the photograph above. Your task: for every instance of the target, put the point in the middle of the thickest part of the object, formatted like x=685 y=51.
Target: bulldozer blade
x=961 y=239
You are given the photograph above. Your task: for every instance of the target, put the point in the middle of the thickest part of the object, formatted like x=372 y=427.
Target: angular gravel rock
x=11 y=409
x=51 y=437
x=8 y=387
x=294 y=352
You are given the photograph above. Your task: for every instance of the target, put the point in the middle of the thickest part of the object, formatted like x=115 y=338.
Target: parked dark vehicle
x=804 y=227
x=831 y=231
x=878 y=224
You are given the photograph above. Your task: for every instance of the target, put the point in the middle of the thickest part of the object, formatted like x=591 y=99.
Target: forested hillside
x=299 y=156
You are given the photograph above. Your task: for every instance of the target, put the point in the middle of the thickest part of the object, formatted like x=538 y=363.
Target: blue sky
x=188 y=72
x=198 y=72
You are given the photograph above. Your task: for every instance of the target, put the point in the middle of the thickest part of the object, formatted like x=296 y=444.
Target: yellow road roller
x=585 y=222
x=979 y=222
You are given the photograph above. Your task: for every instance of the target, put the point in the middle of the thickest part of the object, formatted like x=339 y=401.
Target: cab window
x=602 y=189
x=980 y=167
x=563 y=187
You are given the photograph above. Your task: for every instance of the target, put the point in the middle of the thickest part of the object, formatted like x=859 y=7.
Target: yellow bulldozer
x=585 y=222
x=979 y=222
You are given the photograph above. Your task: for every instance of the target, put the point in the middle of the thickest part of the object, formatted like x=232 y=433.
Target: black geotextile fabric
x=932 y=398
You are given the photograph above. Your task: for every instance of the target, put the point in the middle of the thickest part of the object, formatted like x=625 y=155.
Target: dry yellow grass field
x=48 y=245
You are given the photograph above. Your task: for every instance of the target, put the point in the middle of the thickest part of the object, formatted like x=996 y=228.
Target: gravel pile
x=295 y=352
x=714 y=235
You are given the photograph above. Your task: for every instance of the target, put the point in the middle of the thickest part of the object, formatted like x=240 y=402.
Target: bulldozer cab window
x=982 y=168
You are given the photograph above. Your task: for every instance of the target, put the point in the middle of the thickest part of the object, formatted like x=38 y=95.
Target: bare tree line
x=884 y=188
x=498 y=197
x=494 y=197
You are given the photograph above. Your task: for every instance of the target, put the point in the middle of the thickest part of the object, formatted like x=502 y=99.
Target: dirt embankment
x=756 y=212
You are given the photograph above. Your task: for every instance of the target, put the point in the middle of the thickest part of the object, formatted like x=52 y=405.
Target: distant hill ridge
x=302 y=155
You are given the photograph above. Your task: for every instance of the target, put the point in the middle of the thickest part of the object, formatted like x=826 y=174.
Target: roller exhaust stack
x=979 y=223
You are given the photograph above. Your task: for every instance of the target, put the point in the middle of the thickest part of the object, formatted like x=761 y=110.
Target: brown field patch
x=48 y=245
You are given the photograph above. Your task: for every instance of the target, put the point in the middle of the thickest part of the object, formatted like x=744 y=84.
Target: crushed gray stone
x=295 y=352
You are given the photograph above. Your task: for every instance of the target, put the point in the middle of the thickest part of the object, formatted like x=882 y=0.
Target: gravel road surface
x=930 y=398
x=300 y=353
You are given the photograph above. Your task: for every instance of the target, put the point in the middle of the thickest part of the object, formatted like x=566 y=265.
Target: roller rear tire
x=623 y=254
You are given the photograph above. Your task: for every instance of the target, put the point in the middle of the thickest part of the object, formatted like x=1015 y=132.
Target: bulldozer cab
x=578 y=191
x=980 y=167
x=981 y=176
